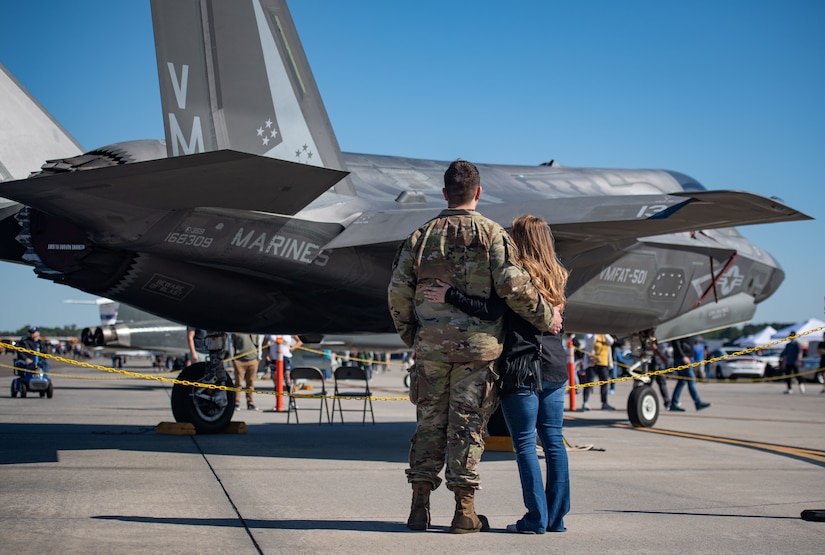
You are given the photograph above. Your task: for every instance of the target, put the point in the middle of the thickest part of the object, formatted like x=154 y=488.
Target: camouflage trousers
x=453 y=402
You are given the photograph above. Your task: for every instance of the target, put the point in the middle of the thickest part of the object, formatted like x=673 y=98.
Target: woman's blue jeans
x=526 y=413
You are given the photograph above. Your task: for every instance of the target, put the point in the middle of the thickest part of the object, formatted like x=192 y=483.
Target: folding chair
x=347 y=376
x=307 y=374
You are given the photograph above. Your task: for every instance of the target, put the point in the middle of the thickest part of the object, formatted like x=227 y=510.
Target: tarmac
x=86 y=472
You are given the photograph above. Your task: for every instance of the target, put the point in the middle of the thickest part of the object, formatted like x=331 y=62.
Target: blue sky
x=730 y=92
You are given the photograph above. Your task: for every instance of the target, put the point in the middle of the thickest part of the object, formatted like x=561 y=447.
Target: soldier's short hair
x=461 y=181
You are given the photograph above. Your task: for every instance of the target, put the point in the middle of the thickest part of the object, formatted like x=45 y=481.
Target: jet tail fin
x=108 y=309
x=233 y=75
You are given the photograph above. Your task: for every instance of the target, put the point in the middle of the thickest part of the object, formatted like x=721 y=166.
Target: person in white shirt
x=288 y=343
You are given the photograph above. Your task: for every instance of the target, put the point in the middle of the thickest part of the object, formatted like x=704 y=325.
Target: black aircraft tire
x=643 y=407
x=209 y=410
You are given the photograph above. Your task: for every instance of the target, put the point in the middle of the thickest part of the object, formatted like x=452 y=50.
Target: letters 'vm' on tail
x=248 y=217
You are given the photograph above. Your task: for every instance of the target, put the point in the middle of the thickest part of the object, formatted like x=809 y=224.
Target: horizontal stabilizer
x=372 y=228
x=225 y=178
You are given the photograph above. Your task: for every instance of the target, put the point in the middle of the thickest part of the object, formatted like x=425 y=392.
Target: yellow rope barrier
x=695 y=364
x=124 y=374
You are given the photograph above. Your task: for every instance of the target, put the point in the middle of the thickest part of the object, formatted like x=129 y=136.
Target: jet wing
x=224 y=178
x=372 y=228
x=583 y=223
x=698 y=211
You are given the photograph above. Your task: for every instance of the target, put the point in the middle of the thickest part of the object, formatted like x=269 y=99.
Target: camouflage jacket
x=473 y=254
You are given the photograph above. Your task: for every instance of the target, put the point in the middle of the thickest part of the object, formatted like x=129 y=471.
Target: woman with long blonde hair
x=531 y=403
x=537 y=253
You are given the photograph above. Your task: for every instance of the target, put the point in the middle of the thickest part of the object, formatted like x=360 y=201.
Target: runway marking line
x=815 y=456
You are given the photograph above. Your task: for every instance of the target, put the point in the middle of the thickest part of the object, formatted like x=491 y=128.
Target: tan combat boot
x=420 y=509
x=465 y=520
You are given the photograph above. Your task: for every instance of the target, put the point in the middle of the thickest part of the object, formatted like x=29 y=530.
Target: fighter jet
x=248 y=217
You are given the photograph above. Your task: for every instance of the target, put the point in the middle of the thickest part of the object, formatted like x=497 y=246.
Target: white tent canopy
x=802 y=327
x=759 y=338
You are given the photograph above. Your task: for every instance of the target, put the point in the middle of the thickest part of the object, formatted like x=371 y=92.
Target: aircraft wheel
x=50 y=391
x=209 y=410
x=643 y=407
x=22 y=388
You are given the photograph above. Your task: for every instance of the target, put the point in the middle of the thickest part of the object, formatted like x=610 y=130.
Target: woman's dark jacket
x=520 y=336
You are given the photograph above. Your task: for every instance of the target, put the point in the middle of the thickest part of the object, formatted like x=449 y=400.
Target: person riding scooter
x=31 y=361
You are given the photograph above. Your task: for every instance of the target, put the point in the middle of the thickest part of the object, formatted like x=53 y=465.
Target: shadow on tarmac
x=387 y=441
x=35 y=443
x=286 y=524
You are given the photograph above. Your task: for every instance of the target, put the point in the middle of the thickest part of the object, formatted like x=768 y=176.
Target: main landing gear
x=209 y=410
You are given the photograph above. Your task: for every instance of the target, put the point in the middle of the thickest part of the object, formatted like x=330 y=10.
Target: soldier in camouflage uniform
x=453 y=380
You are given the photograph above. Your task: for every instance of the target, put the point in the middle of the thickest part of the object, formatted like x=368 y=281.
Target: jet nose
x=775 y=279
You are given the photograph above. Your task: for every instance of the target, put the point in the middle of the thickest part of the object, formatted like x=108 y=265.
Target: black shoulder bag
x=521 y=369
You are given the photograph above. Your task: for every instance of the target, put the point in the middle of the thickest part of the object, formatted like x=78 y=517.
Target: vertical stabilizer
x=108 y=313
x=29 y=135
x=233 y=75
